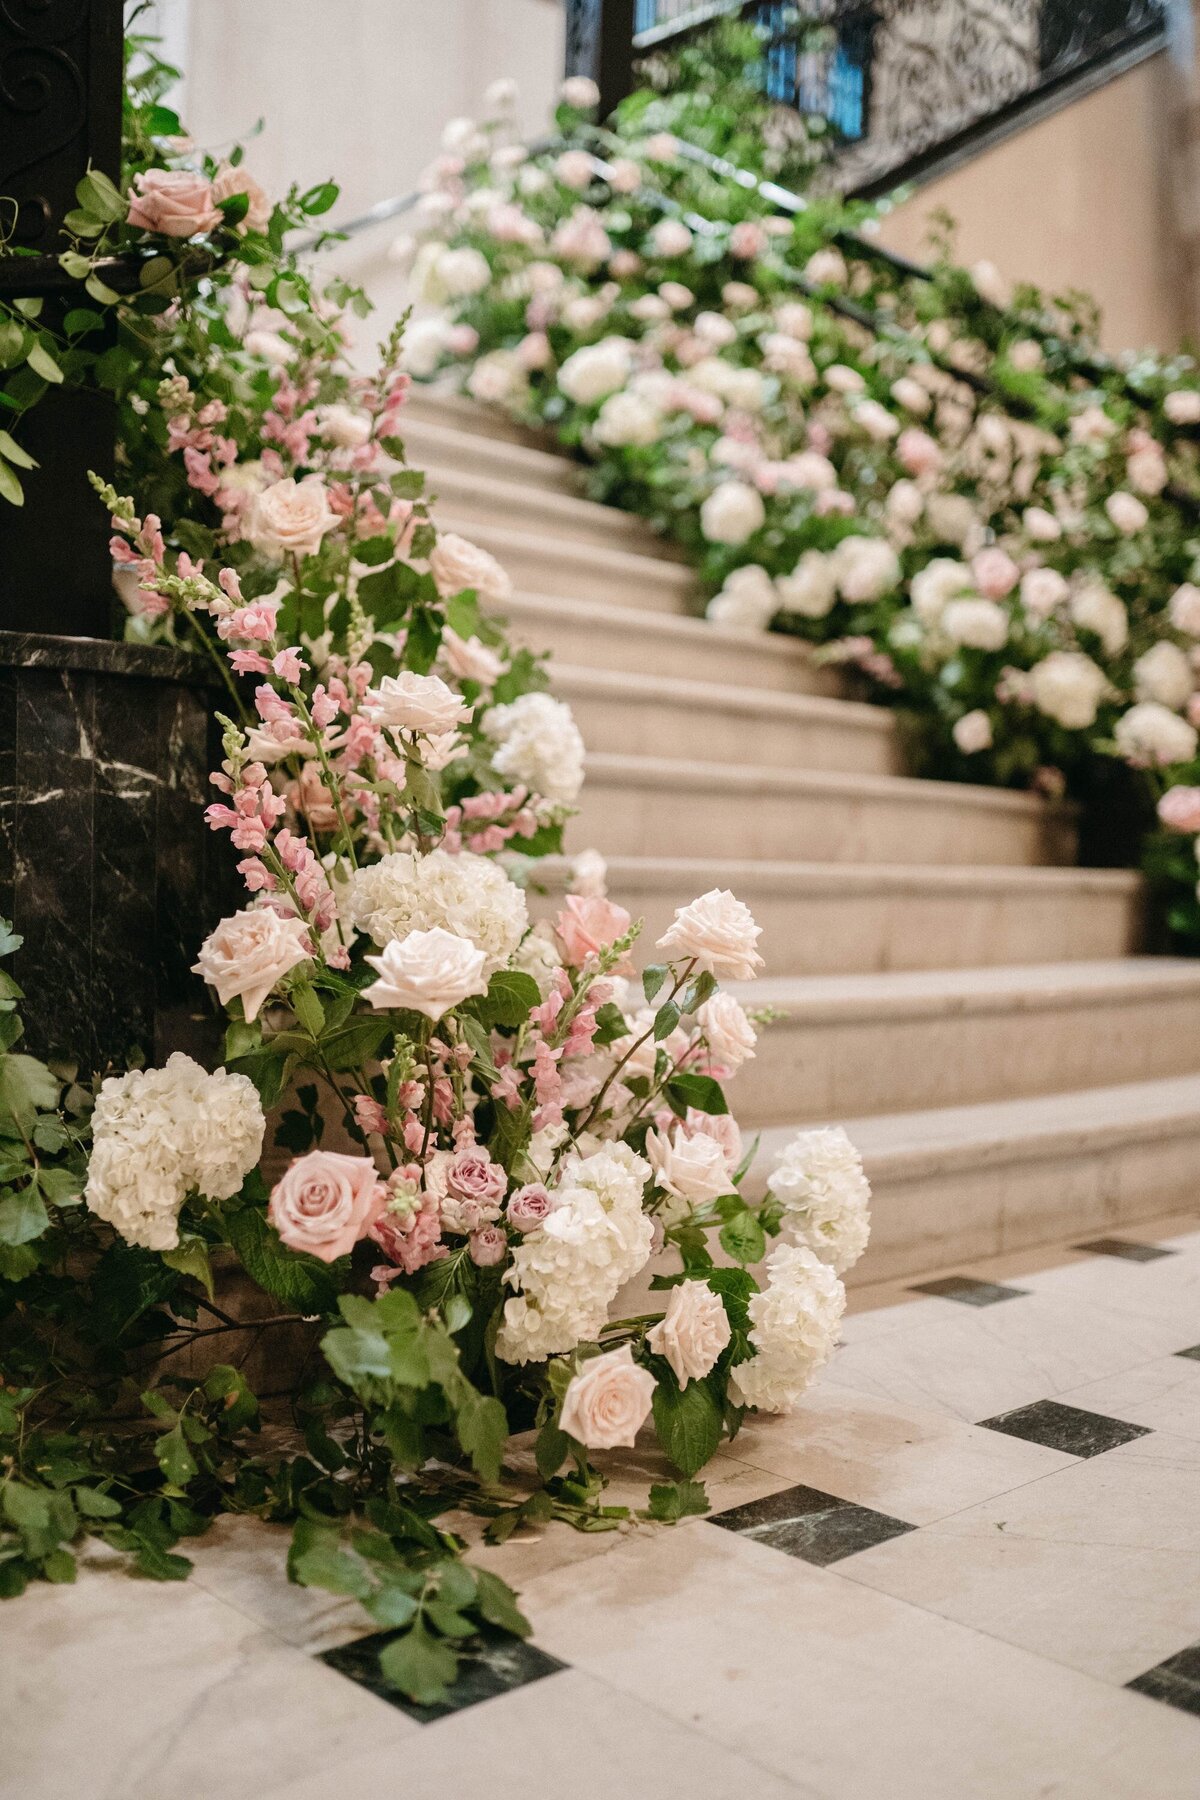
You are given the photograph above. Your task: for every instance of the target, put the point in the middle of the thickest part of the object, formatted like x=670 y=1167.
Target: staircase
x=958 y=995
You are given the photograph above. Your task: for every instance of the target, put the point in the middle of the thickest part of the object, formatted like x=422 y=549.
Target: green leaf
x=10 y=940
x=653 y=979
x=420 y=1665
x=498 y=1604
x=392 y=1608
x=743 y=1238
x=665 y=1020
x=551 y=1449
x=97 y=195
x=688 y=1422
x=10 y=487
x=26 y=1088
x=510 y=998
x=174 y=1457
x=483 y=1433
x=308 y=1008
x=22 y=1217
x=95 y=1505
x=318 y=1558
x=43 y=364
x=358 y=1041
x=10 y=448
x=301 y=1282
x=239 y=1405
x=100 y=290
x=319 y=199
x=159 y=1564
x=700 y=1091
x=671 y=1500
x=191 y=1258
x=59 y=1567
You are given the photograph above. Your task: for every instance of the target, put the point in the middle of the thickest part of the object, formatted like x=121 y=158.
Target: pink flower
x=588 y=924
x=326 y=1202
x=487 y=1246
x=919 y=453
x=995 y=572
x=529 y=1206
x=608 y=1402
x=176 y=202
x=229 y=181
x=474 y=1176
x=747 y=239
x=249 y=952
x=1179 y=809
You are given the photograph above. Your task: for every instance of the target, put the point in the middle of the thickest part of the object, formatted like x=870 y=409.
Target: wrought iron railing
x=909 y=86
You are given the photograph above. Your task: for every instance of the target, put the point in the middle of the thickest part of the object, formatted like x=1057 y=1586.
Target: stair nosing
x=640 y=565
x=675 y=873
x=722 y=697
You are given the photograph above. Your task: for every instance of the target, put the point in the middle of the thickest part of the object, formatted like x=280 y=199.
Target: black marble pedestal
x=106 y=866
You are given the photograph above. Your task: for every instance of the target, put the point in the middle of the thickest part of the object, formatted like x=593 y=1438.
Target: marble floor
x=969 y=1567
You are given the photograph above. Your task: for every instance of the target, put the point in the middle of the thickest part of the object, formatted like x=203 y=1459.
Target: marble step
x=644 y=805
x=463 y=450
x=663 y=715
x=830 y=918
x=892 y=1041
x=434 y=405
x=540 y=563
x=477 y=501
x=961 y=1182
x=592 y=635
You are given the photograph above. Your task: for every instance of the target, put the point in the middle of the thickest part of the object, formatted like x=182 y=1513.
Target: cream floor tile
x=856 y=1693
x=1164 y=1394
x=913 y=1463
x=244 y=1563
x=120 y=1689
x=568 y=1734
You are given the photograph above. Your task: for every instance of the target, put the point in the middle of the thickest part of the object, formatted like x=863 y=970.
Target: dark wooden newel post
x=599 y=44
x=104 y=746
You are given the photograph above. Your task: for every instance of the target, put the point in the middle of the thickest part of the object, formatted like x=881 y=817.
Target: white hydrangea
x=1068 y=686
x=1164 y=673
x=865 y=569
x=465 y=894
x=977 y=624
x=159 y=1135
x=1151 y=735
x=538 y=743
x=747 y=601
x=819 y=1182
x=933 y=588
x=628 y=419
x=596 y=371
x=568 y=1271
x=1096 y=608
x=794 y=1329
x=811 y=588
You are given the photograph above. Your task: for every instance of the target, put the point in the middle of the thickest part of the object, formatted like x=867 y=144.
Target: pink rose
x=995 y=572
x=530 y=1206
x=456 y=565
x=176 y=202
x=718 y=932
x=693 y=1331
x=292 y=517
x=472 y=1175
x=1179 y=809
x=229 y=181
x=608 y=1402
x=249 y=952
x=919 y=453
x=326 y=1202
x=588 y=924
x=487 y=1247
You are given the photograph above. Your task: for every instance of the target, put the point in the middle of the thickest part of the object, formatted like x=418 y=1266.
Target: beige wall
x=1082 y=199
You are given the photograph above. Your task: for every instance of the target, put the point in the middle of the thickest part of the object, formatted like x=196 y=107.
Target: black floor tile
x=1177 y=1680
x=1194 y=1353
x=967 y=1289
x=497 y=1665
x=818 y=1528
x=1067 y=1428
x=1126 y=1251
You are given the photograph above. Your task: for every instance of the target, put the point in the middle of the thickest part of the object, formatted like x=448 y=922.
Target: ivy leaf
x=688 y=1422
x=98 y=196
x=299 y=1281
x=420 y=1665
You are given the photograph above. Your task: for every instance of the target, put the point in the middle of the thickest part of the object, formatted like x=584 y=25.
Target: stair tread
x=634 y=565
x=615 y=684
x=987 y=1133
x=943 y=992
x=438 y=445
x=606 y=616
x=564 y=511
x=677 y=875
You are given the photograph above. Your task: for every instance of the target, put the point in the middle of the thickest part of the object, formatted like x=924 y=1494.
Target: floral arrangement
x=482 y=1125
x=961 y=500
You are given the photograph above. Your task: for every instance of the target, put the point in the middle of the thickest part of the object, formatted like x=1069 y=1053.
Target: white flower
x=581 y=240
x=719 y=932
x=409 y=702
x=865 y=569
x=819 y=1181
x=692 y=1332
x=539 y=956
x=425 y=343
x=589 y=875
x=457 y=565
x=464 y=894
x=1026 y=355
x=608 y=1402
x=715 y=330
x=693 y=1169
x=345 y=426
x=977 y=624
x=933 y=587
x=973 y=732
x=827 y=268
x=461 y=273
x=990 y=284
x=1096 y=608
x=746 y=390
x=670 y=238
x=292 y=517
x=732 y=513
x=500 y=96
x=911 y=396
x=538 y=743
x=811 y=588
x=748 y=599
x=1040 y=526
x=729 y=1034
x=579 y=91
x=1068 y=687
x=1150 y=735
x=840 y=378
x=1185 y=606
x=1164 y=674
x=878 y=423
x=952 y=519
x=794 y=1328
x=497 y=379
x=626 y=418
x=1126 y=511
x=427 y=972
x=596 y=371
x=1043 y=592
x=471 y=660
x=160 y=1134
x=249 y=952
x=574 y=169
x=1182 y=407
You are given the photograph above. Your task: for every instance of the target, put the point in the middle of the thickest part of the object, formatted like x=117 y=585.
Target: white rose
x=608 y=1402
x=1164 y=674
x=470 y=659
x=628 y=419
x=911 y=396
x=676 y=295
x=497 y=379
x=933 y=587
x=1182 y=407
x=344 y=426
x=878 y=423
x=1126 y=512
x=579 y=91
x=977 y=624
x=1042 y=592
x=719 y=932
x=827 y=268
x=1147 y=470
x=952 y=519
x=596 y=371
x=670 y=238
x=427 y=972
x=840 y=378
x=1151 y=735
x=249 y=952
x=748 y=600
x=973 y=732
x=1040 y=526
x=732 y=513
x=1185 y=607
x=1067 y=686
x=409 y=702
x=1096 y=608
x=463 y=272
x=715 y=330
x=574 y=169
x=865 y=569
x=457 y=565
x=692 y=1332
x=727 y=1030
x=811 y=588
x=793 y=318
x=694 y=1169
x=292 y=517
x=425 y=343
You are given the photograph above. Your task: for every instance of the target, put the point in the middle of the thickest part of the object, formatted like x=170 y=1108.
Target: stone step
x=662 y=715
x=963 y=1182
x=437 y=447
x=596 y=636
x=434 y=405
x=542 y=564
x=952 y=1037
x=657 y=806
x=477 y=501
x=827 y=918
